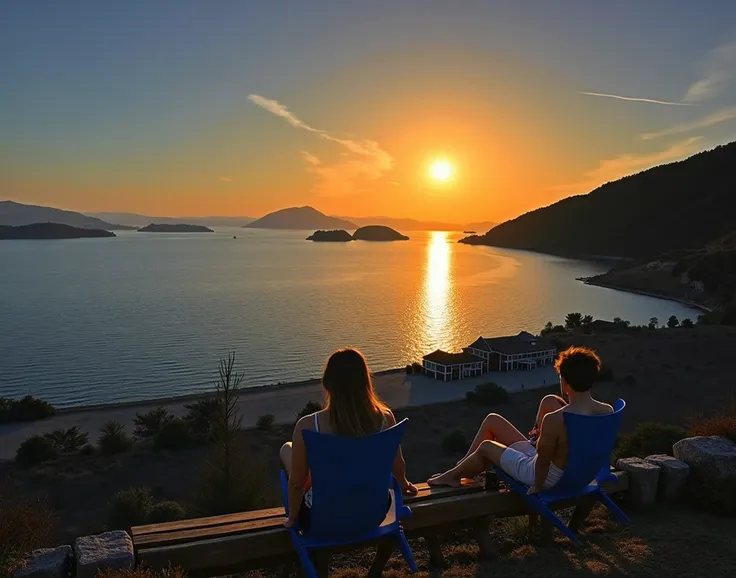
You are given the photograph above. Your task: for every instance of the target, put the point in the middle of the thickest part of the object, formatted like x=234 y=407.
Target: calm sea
x=147 y=316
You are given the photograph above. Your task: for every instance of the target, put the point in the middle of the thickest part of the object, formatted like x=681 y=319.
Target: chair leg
x=322 y=559
x=406 y=550
x=550 y=516
x=582 y=510
x=307 y=565
x=612 y=507
x=383 y=553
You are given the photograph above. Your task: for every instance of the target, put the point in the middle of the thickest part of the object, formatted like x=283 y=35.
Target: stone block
x=672 y=475
x=713 y=457
x=46 y=563
x=643 y=479
x=108 y=550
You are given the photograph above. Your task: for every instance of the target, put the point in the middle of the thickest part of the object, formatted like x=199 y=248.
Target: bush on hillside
x=168 y=511
x=130 y=507
x=175 y=434
x=417 y=368
x=88 y=450
x=25 y=525
x=687 y=322
x=455 y=442
x=35 y=450
x=310 y=407
x=28 y=408
x=265 y=422
x=113 y=439
x=648 y=438
x=141 y=572
x=149 y=424
x=68 y=440
x=201 y=417
x=488 y=394
x=673 y=322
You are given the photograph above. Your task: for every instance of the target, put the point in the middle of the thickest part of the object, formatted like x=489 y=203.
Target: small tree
x=587 y=319
x=621 y=322
x=673 y=322
x=310 y=407
x=687 y=322
x=68 y=440
x=653 y=323
x=201 y=416
x=113 y=439
x=147 y=425
x=546 y=329
x=573 y=320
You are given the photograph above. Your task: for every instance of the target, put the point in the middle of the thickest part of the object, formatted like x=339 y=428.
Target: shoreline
x=694 y=304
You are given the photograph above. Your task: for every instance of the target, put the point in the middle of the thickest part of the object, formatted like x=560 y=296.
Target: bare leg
x=285 y=456
x=488 y=453
x=496 y=428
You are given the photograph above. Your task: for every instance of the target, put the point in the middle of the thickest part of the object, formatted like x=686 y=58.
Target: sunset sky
x=239 y=107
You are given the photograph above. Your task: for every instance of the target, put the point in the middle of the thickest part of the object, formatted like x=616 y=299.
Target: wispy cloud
x=626 y=164
x=716 y=72
x=225 y=179
x=361 y=159
x=637 y=99
x=718 y=117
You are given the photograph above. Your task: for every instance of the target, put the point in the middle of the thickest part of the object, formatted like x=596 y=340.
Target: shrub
x=648 y=438
x=175 y=434
x=673 y=322
x=148 y=425
x=417 y=368
x=130 y=507
x=265 y=422
x=200 y=417
x=28 y=408
x=455 y=442
x=311 y=407
x=88 y=450
x=113 y=439
x=68 y=440
x=723 y=424
x=36 y=450
x=488 y=394
x=409 y=369
x=25 y=525
x=687 y=322
x=714 y=496
x=141 y=572
x=168 y=511
x=606 y=373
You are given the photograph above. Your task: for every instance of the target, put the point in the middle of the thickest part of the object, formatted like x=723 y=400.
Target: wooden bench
x=226 y=544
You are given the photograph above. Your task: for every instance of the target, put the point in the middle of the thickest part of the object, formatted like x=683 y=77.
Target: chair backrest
x=590 y=442
x=351 y=478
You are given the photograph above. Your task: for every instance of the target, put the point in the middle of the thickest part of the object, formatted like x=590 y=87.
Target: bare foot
x=446 y=479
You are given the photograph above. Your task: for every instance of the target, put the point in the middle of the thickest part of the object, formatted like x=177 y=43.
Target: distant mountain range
x=674 y=207
x=16 y=214
x=307 y=218
x=136 y=220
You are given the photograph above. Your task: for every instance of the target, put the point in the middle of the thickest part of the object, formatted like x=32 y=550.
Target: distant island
x=300 y=218
x=337 y=235
x=16 y=214
x=469 y=232
x=180 y=228
x=378 y=233
x=50 y=231
x=137 y=220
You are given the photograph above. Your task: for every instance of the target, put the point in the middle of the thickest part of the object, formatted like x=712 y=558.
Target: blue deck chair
x=590 y=442
x=351 y=484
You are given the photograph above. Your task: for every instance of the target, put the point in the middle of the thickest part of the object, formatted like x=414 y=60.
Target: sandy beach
x=398 y=390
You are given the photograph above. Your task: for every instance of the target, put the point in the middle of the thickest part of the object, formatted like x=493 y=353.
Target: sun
x=441 y=170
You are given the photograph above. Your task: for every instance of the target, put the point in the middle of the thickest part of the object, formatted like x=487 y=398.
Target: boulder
x=46 y=563
x=713 y=457
x=108 y=550
x=643 y=479
x=672 y=475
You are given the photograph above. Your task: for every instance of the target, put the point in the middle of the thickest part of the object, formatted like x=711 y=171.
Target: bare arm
x=546 y=445
x=399 y=468
x=299 y=471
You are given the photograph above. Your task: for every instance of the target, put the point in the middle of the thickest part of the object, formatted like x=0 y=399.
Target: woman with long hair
x=352 y=409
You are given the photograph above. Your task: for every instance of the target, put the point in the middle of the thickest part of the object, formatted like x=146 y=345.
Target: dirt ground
x=668 y=376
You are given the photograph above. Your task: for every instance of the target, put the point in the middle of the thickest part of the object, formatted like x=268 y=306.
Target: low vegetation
x=417 y=368
x=35 y=450
x=488 y=394
x=174 y=434
x=68 y=440
x=28 y=408
x=455 y=442
x=149 y=424
x=648 y=438
x=134 y=506
x=722 y=424
x=25 y=525
x=113 y=439
x=168 y=511
x=266 y=422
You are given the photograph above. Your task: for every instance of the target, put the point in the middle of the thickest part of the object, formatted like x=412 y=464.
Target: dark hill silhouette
x=174 y=228
x=335 y=236
x=378 y=233
x=306 y=218
x=16 y=214
x=50 y=231
x=682 y=205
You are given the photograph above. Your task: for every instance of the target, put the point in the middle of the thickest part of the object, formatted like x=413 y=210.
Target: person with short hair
x=539 y=460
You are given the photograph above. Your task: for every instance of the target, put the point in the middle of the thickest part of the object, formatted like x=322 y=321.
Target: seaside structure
x=447 y=366
x=517 y=352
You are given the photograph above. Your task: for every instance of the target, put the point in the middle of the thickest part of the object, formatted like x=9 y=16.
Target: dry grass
x=141 y=573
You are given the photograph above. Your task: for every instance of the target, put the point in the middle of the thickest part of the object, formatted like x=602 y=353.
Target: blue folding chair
x=590 y=441
x=351 y=485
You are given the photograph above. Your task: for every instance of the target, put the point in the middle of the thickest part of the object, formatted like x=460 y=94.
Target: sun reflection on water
x=437 y=307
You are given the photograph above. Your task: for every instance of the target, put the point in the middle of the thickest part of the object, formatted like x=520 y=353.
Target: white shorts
x=519 y=461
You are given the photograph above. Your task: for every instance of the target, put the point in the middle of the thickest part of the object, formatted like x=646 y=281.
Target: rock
x=713 y=457
x=46 y=563
x=672 y=475
x=108 y=550
x=643 y=479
